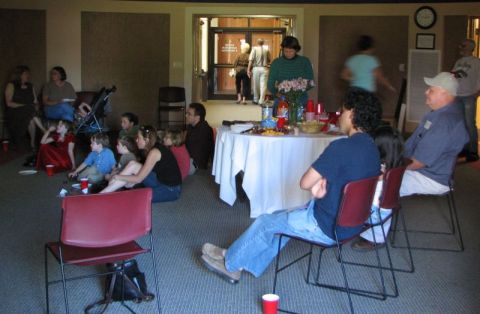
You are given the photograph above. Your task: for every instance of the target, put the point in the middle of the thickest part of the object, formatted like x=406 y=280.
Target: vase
x=292 y=113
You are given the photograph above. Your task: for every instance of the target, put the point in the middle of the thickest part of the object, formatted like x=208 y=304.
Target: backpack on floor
x=135 y=286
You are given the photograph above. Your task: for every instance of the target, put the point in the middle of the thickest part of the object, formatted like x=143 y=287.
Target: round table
x=272 y=167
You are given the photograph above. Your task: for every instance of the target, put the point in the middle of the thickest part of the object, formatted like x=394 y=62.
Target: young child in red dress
x=173 y=139
x=56 y=148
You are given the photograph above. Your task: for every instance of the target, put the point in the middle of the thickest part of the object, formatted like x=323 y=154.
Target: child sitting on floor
x=56 y=147
x=129 y=123
x=98 y=163
x=127 y=149
x=173 y=139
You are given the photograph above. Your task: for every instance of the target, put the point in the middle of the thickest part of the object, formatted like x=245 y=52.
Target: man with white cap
x=467 y=72
x=433 y=149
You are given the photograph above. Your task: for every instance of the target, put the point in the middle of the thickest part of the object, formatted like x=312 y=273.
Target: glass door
x=225 y=40
x=225 y=47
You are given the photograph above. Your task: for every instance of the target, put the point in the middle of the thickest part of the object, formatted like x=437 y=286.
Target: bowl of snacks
x=311 y=127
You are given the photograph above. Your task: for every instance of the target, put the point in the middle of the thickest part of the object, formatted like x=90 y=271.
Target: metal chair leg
x=454 y=226
x=154 y=263
x=339 y=248
x=46 y=279
x=64 y=283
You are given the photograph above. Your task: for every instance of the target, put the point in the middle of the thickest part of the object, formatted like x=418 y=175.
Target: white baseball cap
x=445 y=80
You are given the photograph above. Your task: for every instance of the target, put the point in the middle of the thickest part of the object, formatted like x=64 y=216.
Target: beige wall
x=64 y=40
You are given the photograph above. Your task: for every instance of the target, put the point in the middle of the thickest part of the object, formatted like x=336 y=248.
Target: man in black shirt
x=199 y=138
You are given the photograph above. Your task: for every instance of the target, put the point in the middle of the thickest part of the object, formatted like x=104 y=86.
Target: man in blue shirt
x=433 y=147
x=344 y=160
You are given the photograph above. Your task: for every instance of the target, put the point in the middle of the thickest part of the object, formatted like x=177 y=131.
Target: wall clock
x=425 y=17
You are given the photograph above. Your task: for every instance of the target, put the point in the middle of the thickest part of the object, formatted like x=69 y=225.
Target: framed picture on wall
x=425 y=41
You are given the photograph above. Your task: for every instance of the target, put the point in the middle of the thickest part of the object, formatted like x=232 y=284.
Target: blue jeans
x=161 y=192
x=256 y=248
x=62 y=111
x=469 y=104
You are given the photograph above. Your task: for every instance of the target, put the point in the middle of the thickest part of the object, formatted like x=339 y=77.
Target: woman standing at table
x=58 y=96
x=290 y=65
x=159 y=170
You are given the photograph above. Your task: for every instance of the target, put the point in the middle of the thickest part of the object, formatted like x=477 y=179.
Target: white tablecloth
x=272 y=166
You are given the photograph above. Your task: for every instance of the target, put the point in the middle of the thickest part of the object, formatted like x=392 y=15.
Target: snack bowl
x=311 y=127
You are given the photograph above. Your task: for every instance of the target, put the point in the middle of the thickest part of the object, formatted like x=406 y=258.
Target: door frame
x=248 y=38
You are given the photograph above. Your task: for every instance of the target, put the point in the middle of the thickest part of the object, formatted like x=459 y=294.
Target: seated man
x=433 y=148
x=199 y=138
x=344 y=160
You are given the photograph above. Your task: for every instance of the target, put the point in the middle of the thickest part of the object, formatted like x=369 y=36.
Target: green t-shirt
x=130 y=133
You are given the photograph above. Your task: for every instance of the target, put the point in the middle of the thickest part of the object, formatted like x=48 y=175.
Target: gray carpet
x=443 y=282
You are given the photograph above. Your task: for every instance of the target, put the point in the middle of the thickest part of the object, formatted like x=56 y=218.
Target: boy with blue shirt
x=98 y=163
x=343 y=161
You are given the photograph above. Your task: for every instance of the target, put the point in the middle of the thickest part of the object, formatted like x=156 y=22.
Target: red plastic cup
x=270 y=303
x=280 y=123
x=5 y=145
x=49 y=169
x=84 y=183
x=310 y=106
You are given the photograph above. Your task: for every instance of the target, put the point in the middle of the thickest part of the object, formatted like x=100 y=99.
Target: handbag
x=135 y=286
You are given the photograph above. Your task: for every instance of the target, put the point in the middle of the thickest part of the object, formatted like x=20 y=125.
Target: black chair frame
x=454 y=226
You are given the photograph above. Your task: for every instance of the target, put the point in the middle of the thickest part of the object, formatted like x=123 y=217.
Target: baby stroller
x=92 y=122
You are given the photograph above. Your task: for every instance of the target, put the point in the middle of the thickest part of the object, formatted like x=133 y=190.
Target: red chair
x=354 y=211
x=99 y=229
x=390 y=198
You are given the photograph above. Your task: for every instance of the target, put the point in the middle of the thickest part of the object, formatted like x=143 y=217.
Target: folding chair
x=91 y=123
x=454 y=224
x=99 y=229
x=390 y=198
x=172 y=107
x=354 y=210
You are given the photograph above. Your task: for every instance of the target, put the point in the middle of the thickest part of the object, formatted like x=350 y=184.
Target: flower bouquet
x=293 y=89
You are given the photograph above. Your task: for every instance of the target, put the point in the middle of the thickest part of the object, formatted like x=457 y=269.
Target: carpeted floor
x=443 y=282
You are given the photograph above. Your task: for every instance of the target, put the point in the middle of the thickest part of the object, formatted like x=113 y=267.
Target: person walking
x=258 y=70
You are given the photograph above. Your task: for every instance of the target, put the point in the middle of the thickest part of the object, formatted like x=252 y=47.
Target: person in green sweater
x=290 y=65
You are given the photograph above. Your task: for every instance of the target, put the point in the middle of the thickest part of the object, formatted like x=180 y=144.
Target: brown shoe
x=218 y=267
x=213 y=251
x=362 y=245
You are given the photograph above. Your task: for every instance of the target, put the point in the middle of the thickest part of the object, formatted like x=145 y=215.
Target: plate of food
x=27 y=172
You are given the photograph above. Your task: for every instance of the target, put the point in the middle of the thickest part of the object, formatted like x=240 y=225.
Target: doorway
x=217 y=43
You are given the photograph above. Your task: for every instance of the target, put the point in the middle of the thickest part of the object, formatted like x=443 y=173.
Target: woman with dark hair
x=390 y=146
x=159 y=170
x=58 y=96
x=290 y=65
x=363 y=70
x=21 y=102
